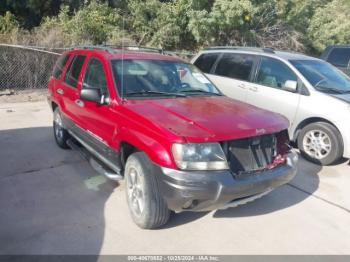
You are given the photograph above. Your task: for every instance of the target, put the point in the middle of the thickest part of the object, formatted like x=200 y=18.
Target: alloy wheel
x=317 y=144
x=135 y=191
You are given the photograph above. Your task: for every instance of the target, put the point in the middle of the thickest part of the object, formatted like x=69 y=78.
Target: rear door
x=340 y=57
x=267 y=90
x=232 y=74
x=69 y=88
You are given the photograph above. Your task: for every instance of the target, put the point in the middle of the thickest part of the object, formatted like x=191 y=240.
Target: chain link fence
x=24 y=67
x=29 y=67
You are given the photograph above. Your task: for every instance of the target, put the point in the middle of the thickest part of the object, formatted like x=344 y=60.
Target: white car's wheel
x=321 y=143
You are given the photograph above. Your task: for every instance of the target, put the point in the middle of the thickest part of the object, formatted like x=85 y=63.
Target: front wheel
x=321 y=143
x=147 y=207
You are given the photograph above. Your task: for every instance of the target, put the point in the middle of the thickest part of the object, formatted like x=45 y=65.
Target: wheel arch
x=126 y=149
x=53 y=106
x=308 y=121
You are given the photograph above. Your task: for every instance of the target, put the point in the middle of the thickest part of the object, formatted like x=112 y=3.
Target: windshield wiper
x=143 y=93
x=200 y=91
x=330 y=89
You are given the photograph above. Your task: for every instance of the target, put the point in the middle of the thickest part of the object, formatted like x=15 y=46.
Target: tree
x=227 y=23
x=330 y=25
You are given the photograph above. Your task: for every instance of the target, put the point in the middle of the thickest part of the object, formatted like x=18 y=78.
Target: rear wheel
x=320 y=143
x=60 y=133
x=147 y=207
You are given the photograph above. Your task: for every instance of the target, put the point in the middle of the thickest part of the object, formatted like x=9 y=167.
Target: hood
x=214 y=118
x=343 y=97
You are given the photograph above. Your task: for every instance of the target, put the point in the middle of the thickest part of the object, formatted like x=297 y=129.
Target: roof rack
x=97 y=47
x=137 y=48
x=116 y=48
x=243 y=48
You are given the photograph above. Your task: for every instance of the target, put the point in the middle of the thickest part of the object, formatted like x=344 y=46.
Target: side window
x=238 y=66
x=73 y=71
x=274 y=73
x=339 y=57
x=95 y=76
x=57 y=70
x=206 y=61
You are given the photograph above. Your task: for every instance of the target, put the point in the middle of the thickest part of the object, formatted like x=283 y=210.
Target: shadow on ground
x=51 y=201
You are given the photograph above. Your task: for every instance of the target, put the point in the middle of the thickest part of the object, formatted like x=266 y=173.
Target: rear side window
x=339 y=57
x=57 y=71
x=73 y=71
x=238 y=66
x=95 y=76
x=206 y=61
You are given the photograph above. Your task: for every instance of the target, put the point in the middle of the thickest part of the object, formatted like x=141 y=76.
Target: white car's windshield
x=154 y=78
x=323 y=76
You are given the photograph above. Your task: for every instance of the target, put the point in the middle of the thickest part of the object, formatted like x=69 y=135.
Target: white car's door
x=275 y=88
x=231 y=87
x=232 y=73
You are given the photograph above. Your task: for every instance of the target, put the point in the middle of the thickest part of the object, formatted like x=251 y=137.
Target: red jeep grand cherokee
x=160 y=123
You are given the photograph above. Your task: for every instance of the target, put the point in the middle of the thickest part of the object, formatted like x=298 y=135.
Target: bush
x=95 y=23
x=330 y=25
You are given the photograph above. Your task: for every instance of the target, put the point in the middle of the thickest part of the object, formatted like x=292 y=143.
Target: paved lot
x=52 y=202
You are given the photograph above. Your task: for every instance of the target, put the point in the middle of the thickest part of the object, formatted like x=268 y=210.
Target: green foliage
x=160 y=24
x=307 y=25
x=226 y=23
x=8 y=23
x=330 y=25
x=95 y=23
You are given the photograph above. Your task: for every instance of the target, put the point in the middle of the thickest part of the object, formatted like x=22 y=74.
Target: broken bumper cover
x=211 y=190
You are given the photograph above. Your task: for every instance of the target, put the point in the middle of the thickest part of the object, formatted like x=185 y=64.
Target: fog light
x=190 y=204
x=187 y=204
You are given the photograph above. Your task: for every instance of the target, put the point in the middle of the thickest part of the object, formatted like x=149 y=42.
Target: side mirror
x=93 y=95
x=291 y=85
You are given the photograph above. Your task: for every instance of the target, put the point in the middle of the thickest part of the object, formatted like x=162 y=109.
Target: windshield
x=323 y=76
x=150 y=78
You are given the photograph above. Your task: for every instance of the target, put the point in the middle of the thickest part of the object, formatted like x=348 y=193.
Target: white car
x=311 y=93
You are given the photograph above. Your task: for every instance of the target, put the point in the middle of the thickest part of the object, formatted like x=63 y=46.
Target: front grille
x=251 y=154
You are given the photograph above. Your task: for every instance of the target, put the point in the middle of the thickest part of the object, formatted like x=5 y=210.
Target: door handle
x=80 y=103
x=241 y=86
x=60 y=91
x=253 y=88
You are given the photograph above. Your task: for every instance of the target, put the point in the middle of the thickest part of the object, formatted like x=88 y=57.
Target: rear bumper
x=211 y=190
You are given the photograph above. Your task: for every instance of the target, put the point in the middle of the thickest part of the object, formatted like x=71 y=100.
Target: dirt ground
x=12 y=96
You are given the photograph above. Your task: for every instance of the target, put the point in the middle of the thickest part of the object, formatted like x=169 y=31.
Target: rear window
x=73 y=71
x=206 y=61
x=57 y=71
x=339 y=57
x=238 y=66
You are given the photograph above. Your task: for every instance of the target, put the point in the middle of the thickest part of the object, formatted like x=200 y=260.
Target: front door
x=268 y=89
x=98 y=118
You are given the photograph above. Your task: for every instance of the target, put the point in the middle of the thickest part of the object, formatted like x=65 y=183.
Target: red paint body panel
x=153 y=125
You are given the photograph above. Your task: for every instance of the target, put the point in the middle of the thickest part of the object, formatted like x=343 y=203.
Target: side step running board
x=95 y=164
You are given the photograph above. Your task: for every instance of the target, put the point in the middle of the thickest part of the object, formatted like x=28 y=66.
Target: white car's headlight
x=206 y=156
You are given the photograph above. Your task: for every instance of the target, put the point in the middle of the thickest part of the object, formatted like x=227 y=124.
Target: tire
x=147 y=207
x=60 y=133
x=321 y=143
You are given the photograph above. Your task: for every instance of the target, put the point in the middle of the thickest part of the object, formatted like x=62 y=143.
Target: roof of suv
x=126 y=53
x=287 y=55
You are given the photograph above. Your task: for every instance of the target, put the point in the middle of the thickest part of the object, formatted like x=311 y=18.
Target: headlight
x=206 y=156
